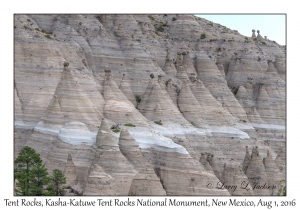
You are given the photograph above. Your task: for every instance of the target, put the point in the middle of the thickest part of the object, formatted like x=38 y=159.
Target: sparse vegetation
x=218 y=49
x=37 y=29
x=66 y=64
x=174 y=18
x=138 y=98
x=203 y=36
x=263 y=42
x=246 y=38
x=132 y=36
x=167 y=82
x=165 y=15
x=46 y=32
x=129 y=125
x=282 y=188
x=255 y=39
x=48 y=36
x=158 y=122
x=26 y=27
x=274 y=42
x=244 y=121
x=132 y=194
x=116 y=130
x=193 y=124
x=151 y=17
x=235 y=90
x=160 y=28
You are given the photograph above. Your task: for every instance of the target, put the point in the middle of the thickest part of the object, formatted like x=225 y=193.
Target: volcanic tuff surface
x=192 y=102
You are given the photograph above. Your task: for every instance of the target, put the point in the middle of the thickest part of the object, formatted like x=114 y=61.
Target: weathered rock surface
x=146 y=181
x=112 y=161
x=99 y=183
x=256 y=174
x=70 y=172
x=235 y=180
x=273 y=172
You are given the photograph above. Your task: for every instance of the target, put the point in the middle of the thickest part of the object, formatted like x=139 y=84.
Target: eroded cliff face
x=182 y=127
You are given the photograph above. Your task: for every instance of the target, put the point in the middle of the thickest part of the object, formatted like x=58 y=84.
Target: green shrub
x=116 y=130
x=132 y=36
x=203 y=36
x=246 y=38
x=129 y=125
x=138 y=98
x=152 y=18
x=167 y=82
x=160 y=29
x=165 y=15
x=158 y=122
x=25 y=27
x=66 y=64
x=28 y=20
x=46 y=32
x=174 y=18
x=274 y=42
x=235 y=90
x=282 y=188
x=48 y=36
x=37 y=29
x=263 y=42
x=255 y=39
x=193 y=124
x=132 y=194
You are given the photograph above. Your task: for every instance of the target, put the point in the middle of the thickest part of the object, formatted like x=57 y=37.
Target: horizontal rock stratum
x=150 y=104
